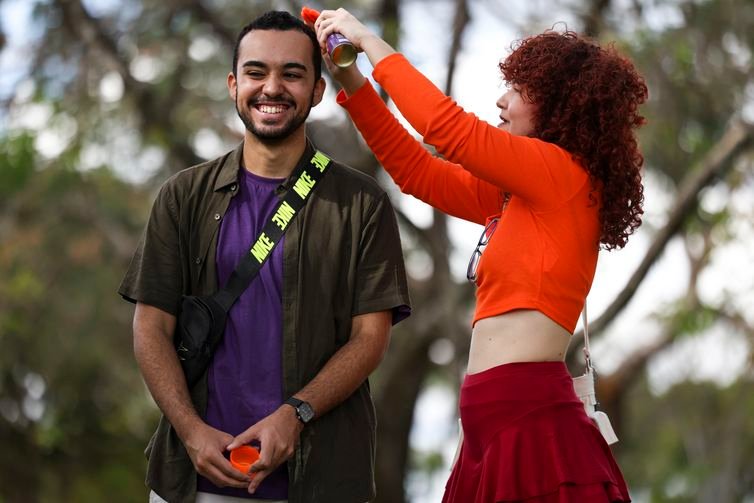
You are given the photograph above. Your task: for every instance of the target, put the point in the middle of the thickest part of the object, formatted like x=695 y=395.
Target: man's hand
x=277 y=435
x=155 y=354
x=205 y=446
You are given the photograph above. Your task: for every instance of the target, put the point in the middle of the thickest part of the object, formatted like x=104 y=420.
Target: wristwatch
x=304 y=411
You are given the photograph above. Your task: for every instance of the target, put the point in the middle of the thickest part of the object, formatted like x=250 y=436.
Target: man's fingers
x=243 y=438
x=222 y=477
x=269 y=460
x=230 y=472
x=258 y=477
x=266 y=456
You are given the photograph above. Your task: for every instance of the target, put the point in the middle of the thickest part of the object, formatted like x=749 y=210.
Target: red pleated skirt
x=528 y=439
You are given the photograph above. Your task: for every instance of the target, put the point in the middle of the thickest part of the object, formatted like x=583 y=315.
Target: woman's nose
x=502 y=101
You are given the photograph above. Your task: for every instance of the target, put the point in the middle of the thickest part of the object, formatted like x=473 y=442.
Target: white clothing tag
x=603 y=423
x=584 y=388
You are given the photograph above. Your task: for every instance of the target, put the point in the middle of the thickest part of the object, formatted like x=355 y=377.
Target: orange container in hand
x=243 y=457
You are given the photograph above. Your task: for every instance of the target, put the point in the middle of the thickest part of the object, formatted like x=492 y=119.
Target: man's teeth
x=270 y=109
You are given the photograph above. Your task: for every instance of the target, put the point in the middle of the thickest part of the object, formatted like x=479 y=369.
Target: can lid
x=243 y=457
x=343 y=54
x=309 y=15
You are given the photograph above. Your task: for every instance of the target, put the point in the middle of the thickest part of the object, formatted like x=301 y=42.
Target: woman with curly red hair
x=557 y=178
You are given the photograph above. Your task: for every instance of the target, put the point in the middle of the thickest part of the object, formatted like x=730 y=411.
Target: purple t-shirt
x=245 y=377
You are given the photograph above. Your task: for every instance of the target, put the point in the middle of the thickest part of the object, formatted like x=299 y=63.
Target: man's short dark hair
x=282 y=21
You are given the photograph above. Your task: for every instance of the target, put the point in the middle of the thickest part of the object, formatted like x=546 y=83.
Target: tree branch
x=85 y=27
x=91 y=32
x=594 y=19
x=719 y=160
x=460 y=22
x=227 y=36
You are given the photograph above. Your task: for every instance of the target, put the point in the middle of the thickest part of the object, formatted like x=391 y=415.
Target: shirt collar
x=229 y=171
x=233 y=160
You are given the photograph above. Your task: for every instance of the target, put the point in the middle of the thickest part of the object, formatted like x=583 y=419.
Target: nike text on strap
x=307 y=177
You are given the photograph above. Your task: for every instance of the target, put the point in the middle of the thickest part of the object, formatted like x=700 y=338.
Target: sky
x=15 y=20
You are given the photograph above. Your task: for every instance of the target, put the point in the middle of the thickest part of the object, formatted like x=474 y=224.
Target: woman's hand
x=350 y=78
x=343 y=22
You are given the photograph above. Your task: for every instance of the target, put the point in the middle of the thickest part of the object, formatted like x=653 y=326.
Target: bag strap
x=584 y=387
x=587 y=354
x=307 y=176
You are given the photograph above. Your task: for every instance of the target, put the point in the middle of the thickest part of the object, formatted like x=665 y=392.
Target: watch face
x=305 y=412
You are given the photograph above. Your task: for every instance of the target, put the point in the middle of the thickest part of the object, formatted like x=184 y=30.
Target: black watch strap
x=304 y=411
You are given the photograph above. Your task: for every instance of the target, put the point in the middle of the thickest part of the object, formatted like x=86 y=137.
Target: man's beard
x=281 y=132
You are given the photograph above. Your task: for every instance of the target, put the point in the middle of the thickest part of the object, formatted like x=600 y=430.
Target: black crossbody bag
x=201 y=320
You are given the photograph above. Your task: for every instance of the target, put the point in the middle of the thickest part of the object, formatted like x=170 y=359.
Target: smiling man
x=290 y=373
x=274 y=90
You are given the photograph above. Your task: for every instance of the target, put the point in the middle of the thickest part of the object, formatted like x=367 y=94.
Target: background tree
x=121 y=94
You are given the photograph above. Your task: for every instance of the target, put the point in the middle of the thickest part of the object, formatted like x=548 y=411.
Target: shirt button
x=217 y=216
x=198 y=260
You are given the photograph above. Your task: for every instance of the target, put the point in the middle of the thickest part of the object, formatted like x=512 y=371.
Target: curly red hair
x=587 y=100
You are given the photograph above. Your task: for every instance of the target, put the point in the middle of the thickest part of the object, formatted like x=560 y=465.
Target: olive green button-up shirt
x=342 y=257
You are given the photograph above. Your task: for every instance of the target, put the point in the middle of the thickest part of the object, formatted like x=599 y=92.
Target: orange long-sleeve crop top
x=543 y=253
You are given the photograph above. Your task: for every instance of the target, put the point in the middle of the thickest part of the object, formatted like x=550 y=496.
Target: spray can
x=341 y=50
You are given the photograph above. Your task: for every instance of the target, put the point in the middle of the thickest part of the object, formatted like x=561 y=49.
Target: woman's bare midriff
x=516 y=336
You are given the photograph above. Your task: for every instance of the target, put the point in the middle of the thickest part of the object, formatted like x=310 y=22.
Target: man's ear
x=319 y=91
x=232 y=86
